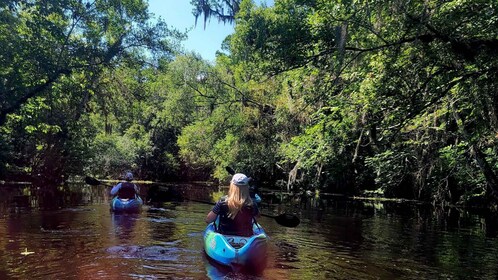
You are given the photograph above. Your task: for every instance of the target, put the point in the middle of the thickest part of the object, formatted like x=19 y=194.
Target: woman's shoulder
x=223 y=199
x=220 y=205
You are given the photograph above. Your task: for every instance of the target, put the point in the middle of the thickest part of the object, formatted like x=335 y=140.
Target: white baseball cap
x=128 y=176
x=240 y=179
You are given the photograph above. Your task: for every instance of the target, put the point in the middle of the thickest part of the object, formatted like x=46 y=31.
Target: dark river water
x=69 y=233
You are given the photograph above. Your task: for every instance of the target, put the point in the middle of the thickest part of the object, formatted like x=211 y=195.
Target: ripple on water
x=157 y=210
x=195 y=234
x=157 y=253
x=240 y=276
x=141 y=276
x=159 y=220
x=77 y=210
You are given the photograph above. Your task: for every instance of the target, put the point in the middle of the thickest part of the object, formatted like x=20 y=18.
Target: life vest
x=241 y=225
x=127 y=190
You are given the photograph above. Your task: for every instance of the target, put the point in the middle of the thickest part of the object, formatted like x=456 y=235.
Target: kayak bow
x=237 y=251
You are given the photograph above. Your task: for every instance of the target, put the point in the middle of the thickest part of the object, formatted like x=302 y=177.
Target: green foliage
x=389 y=70
x=112 y=154
x=344 y=96
x=54 y=59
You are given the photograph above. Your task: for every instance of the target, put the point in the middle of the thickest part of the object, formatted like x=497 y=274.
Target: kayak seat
x=237 y=244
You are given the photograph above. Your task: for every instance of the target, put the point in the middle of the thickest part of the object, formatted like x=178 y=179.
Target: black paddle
x=285 y=219
x=94 y=182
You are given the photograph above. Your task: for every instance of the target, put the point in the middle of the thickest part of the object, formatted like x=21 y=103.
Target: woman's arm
x=115 y=189
x=211 y=217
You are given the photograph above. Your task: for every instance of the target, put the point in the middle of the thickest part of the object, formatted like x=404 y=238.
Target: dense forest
x=394 y=97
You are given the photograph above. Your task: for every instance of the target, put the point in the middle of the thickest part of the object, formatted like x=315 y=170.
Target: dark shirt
x=125 y=190
x=241 y=224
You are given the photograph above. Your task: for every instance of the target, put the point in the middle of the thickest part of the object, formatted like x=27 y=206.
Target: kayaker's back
x=127 y=190
x=241 y=225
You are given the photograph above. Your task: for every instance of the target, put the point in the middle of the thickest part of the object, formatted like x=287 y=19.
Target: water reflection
x=162 y=222
x=215 y=271
x=124 y=225
x=73 y=235
x=489 y=223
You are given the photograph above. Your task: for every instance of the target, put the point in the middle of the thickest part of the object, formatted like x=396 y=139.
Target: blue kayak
x=237 y=251
x=120 y=205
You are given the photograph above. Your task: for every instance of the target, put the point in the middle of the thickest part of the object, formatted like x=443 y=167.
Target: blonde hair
x=238 y=196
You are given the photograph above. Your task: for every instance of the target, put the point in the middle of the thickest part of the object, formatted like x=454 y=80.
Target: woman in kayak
x=126 y=190
x=237 y=210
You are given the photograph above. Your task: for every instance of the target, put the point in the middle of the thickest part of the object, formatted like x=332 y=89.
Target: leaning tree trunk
x=487 y=171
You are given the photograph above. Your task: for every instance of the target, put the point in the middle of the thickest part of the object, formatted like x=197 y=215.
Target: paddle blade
x=287 y=220
x=230 y=170
x=92 y=181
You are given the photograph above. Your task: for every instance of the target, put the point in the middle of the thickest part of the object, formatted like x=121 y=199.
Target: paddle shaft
x=94 y=182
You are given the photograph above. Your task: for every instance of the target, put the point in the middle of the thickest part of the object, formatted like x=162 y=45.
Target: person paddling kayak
x=126 y=190
x=236 y=211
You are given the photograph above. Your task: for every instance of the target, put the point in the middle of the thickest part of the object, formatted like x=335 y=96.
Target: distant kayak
x=237 y=251
x=133 y=205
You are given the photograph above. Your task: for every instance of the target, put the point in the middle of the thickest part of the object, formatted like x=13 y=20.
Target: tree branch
x=31 y=92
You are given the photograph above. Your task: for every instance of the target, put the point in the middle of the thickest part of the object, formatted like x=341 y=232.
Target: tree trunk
x=486 y=169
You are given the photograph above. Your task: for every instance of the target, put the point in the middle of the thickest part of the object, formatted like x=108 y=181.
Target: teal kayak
x=237 y=251
x=120 y=205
